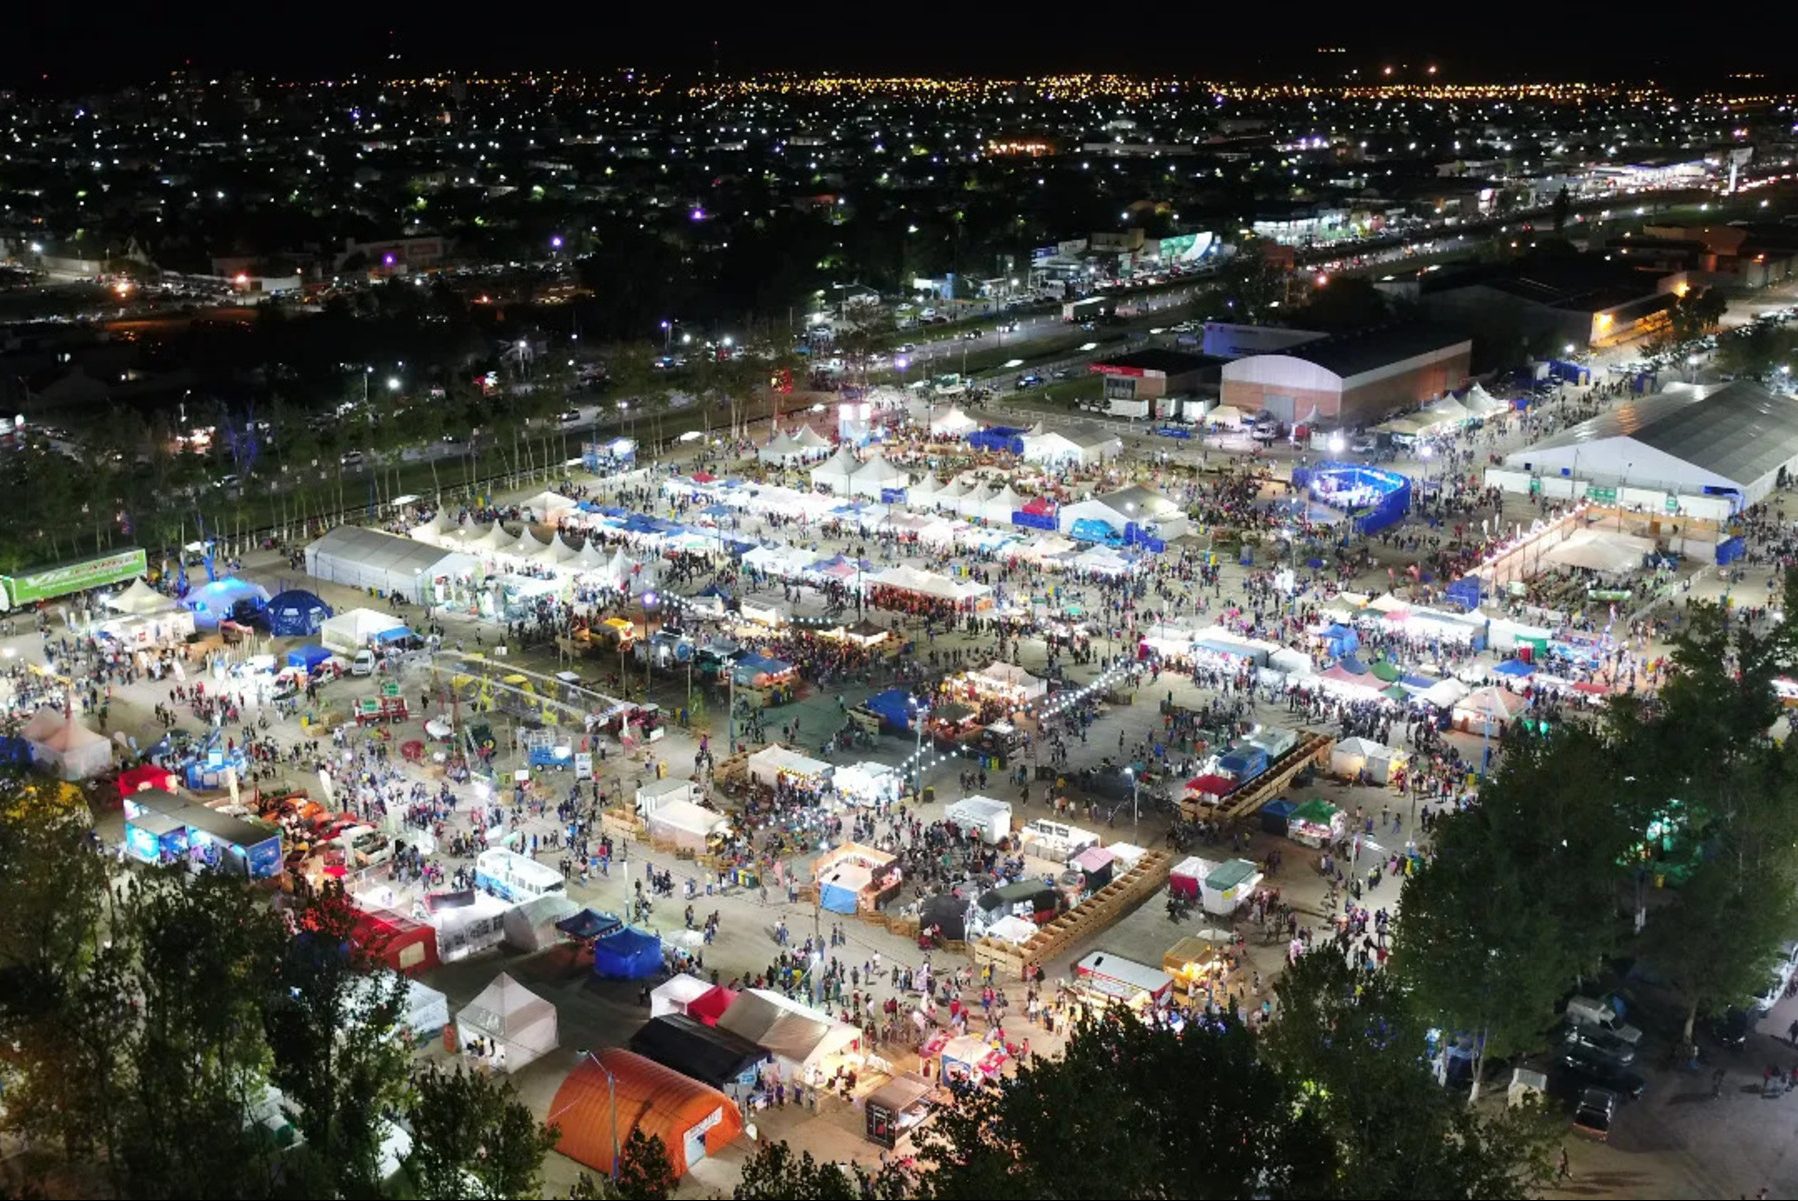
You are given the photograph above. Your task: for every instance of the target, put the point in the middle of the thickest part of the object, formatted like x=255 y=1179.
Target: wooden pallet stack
x=1311 y=748
x=1085 y=920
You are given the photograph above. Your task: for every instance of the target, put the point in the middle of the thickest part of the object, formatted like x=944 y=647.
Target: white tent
x=767 y=764
x=495 y=539
x=836 y=472
x=923 y=492
x=591 y=557
x=433 y=531
x=1001 y=505
x=676 y=994
x=548 y=506
x=1481 y=403
x=953 y=422
x=532 y=925
x=140 y=600
x=424 y=1010
x=1608 y=551
x=948 y=497
x=1351 y=756
x=1228 y=416
x=780 y=449
x=1449 y=409
x=346 y=633
x=799 y=1037
x=519 y=1020
x=876 y=476
x=810 y=439
x=527 y=546
x=65 y=748
x=388 y=563
x=685 y=823
x=1008 y=679
x=1049 y=447
x=972 y=503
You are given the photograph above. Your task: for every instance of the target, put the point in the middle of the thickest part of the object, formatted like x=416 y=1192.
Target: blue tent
x=628 y=954
x=589 y=924
x=1274 y=815
x=893 y=707
x=1243 y=763
x=296 y=613
x=213 y=603
x=1341 y=640
x=1515 y=668
x=308 y=657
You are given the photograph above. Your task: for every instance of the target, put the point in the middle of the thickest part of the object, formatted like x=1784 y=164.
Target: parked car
x=1599 y=1043
x=1592 y=1070
x=1596 y=1110
x=1730 y=1028
x=1028 y=381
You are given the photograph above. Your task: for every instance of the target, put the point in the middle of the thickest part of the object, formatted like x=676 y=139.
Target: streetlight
x=918 y=712
x=393 y=383
x=1135 y=809
x=612 y=1090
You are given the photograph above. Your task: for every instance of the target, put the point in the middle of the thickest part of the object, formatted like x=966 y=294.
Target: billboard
x=53 y=582
x=1186 y=248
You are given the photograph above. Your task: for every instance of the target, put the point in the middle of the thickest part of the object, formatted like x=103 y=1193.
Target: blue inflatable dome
x=296 y=613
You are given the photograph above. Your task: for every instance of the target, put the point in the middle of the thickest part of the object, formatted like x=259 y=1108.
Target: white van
x=365 y=846
x=1585 y=1011
x=364 y=663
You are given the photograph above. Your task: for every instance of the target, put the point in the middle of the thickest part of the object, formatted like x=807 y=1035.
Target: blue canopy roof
x=893 y=707
x=1515 y=668
x=1353 y=665
x=307 y=657
x=628 y=954
x=396 y=634
x=296 y=613
x=589 y=924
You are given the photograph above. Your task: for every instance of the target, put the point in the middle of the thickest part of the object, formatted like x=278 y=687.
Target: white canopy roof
x=496 y=539
x=810 y=438
x=140 y=599
x=953 y=421
x=836 y=471
x=515 y=1017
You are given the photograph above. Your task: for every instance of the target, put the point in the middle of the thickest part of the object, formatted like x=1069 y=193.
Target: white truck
x=1119 y=406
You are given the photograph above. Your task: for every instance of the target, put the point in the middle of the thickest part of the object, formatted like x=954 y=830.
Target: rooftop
x=1370 y=349
x=1168 y=362
x=1739 y=431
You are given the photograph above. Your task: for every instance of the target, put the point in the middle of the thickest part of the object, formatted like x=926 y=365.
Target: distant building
x=396 y=256
x=1350 y=379
x=1147 y=374
x=1583 y=300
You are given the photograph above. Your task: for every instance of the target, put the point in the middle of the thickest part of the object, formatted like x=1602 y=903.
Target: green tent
x=1316 y=812
x=1384 y=671
x=1396 y=693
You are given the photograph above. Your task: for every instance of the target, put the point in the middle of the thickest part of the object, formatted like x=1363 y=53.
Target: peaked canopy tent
x=781 y=450
x=65 y=748
x=296 y=613
x=350 y=631
x=676 y=994
x=802 y=1040
x=610 y=1093
x=810 y=439
x=837 y=472
x=878 y=477
x=1352 y=756
x=550 y=507
x=628 y=954
x=514 y=1017
x=140 y=600
x=767 y=765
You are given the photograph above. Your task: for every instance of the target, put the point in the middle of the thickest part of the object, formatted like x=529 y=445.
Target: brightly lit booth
x=856 y=879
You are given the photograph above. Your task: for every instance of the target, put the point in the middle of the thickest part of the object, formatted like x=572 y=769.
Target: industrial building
x=1147 y=374
x=1350 y=379
x=1728 y=444
x=1580 y=300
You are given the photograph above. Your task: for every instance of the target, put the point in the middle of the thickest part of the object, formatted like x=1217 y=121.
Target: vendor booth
x=1007 y=683
x=1351 y=757
x=806 y=1043
x=157 y=823
x=689 y=825
x=355 y=630
x=628 y=954
x=1188 y=875
x=1228 y=887
x=774 y=762
x=610 y=1093
x=512 y=1017
x=855 y=879
x=1315 y=823
x=896 y=1108
x=1030 y=899
x=968 y=1060
x=867 y=783
x=391 y=565
x=656 y=793
x=946 y=914
x=704 y=1053
x=989 y=818
x=1104 y=978
x=1198 y=961
x=1487 y=710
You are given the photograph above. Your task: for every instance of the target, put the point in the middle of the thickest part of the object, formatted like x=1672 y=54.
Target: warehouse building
x=1350 y=379
x=1147 y=374
x=1731 y=442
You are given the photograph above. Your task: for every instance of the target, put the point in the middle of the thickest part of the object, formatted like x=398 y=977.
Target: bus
x=514 y=877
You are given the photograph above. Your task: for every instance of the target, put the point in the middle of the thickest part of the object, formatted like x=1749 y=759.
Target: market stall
x=1106 y=979
x=1188 y=875
x=1351 y=757
x=1315 y=823
x=65 y=748
x=775 y=763
x=1198 y=961
x=868 y=783
x=514 y=1018
x=689 y=825
x=989 y=818
x=704 y=1053
x=1007 y=683
x=968 y=1060
x=355 y=629
x=628 y=954
x=675 y=994
x=896 y=1108
x=1228 y=887
x=807 y=1044
x=855 y=879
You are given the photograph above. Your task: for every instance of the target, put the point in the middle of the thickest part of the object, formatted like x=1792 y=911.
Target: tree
x=1355 y=1043
x=1128 y=1110
x=645 y=1173
x=777 y=1173
x=471 y=1136
x=1547 y=837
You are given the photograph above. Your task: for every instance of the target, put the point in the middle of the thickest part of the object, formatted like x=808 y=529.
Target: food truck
x=1110 y=979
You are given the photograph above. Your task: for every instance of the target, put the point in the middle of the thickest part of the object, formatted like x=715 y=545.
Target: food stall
x=764 y=681
x=1228 y=887
x=1315 y=823
x=1096 y=865
x=990 y=818
x=998 y=742
x=967 y=1060
x=689 y=825
x=867 y=783
x=1006 y=683
x=775 y=763
x=855 y=879
x=896 y=1108
x=1032 y=899
x=1102 y=978
x=1198 y=960
x=952 y=724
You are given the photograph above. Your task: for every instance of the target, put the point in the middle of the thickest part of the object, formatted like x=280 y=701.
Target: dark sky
x=79 y=45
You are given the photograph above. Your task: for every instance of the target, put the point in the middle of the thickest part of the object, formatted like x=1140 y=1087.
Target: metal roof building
x=1720 y=440
x=1350 y=379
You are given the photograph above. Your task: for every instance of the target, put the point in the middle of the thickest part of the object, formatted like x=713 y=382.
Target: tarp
x=515 y=1017
x=704 y=1053
x=628 y=954
x=532 y=925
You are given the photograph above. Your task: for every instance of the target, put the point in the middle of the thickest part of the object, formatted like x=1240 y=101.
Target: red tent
x=709 y=1006
x=148 y=775
x=1218 y=786
x=1041 y=506
x=396 y=941
x=703 y=477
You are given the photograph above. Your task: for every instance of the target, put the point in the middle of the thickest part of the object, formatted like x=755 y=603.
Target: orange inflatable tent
x=692 y=1119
